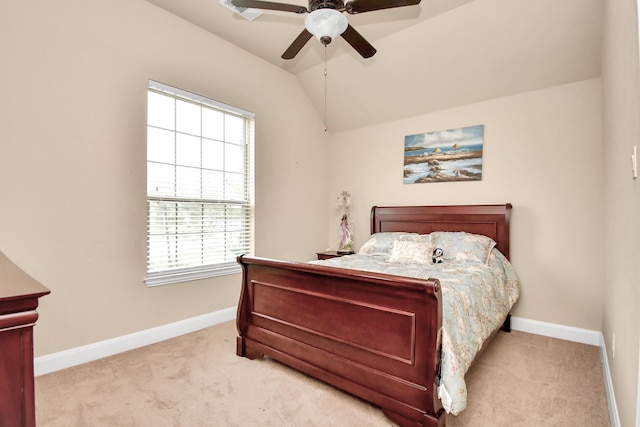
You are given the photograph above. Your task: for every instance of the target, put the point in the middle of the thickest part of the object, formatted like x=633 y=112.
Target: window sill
x=169 y=277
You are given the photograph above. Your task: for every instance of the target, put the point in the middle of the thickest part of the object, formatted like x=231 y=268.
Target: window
x=199 y=186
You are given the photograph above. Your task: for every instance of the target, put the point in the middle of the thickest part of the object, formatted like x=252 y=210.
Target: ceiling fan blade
x=360 y=6
x=259 y=4
x=358 y=42
x=297 y=45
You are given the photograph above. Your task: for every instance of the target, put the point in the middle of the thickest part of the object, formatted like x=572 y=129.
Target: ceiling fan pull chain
x=325 y=87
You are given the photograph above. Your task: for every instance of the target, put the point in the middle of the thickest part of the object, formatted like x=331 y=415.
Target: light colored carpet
x=197 y=380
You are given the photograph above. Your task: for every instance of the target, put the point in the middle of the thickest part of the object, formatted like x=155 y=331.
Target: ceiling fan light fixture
x=326 y=24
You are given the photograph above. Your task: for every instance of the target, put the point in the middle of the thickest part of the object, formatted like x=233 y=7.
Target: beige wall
x=621 y=129
x=543 y=154
x=72 y=150
x=72 y=159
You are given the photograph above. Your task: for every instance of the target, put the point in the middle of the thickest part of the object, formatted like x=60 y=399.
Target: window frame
x=169 y=275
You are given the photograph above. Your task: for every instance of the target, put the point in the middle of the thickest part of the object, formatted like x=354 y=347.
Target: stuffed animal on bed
x=437 y=255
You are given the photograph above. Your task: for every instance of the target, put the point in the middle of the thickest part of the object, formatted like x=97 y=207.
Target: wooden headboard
x=488 y=220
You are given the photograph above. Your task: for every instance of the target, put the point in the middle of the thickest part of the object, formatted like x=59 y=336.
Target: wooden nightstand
x=331 y=254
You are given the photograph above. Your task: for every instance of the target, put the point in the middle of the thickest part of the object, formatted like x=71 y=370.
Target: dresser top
x=16 y=284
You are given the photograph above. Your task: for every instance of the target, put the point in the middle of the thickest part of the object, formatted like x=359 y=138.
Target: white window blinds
x=200 y=181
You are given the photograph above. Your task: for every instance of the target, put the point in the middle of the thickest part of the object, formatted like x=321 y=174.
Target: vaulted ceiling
x=436 y=55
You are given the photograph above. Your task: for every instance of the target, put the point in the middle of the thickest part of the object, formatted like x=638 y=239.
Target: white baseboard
x=584 y=336
x=567 y=333
x=87 y=353
x=608 y=384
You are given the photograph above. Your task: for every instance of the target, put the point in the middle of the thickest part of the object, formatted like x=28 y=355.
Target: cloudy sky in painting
x=463 y=136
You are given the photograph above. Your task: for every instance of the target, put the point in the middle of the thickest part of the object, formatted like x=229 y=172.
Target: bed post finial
x=372 y=226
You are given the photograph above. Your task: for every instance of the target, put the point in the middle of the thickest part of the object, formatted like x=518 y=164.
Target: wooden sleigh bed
x=376 y=336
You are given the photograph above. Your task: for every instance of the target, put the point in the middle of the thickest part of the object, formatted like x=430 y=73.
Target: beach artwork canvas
x=442 y=156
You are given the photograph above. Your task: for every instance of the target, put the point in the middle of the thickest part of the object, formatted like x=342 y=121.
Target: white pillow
x=425 y=238
x=409 y=252
x=380 y=243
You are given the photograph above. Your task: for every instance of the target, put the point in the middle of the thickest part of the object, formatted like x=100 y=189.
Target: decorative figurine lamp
x=346 y=236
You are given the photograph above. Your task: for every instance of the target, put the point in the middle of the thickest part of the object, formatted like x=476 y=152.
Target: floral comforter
x=476 y=298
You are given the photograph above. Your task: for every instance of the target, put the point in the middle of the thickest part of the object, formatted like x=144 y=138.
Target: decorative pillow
x=380 y=243
x=406 y=252
x=463 y=247
x=413 y=237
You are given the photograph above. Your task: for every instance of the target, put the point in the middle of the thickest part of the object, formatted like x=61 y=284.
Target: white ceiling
x=436 y=55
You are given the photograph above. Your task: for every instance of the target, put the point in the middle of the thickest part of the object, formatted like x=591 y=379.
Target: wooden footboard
x=375 y=336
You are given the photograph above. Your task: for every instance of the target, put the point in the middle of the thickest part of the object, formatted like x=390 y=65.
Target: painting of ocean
x=446 y=155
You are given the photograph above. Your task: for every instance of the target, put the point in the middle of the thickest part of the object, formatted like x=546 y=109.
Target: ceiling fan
x=326 y=21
